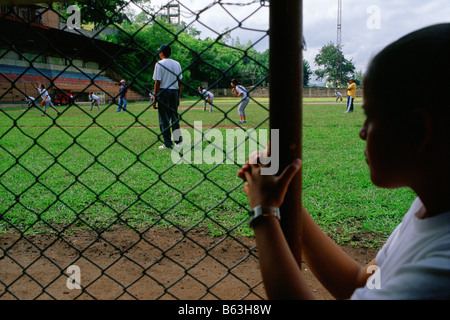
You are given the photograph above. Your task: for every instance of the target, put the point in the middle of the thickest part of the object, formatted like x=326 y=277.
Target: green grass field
x=91 y=169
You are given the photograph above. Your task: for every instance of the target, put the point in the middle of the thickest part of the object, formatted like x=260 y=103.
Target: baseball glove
x=234 y=92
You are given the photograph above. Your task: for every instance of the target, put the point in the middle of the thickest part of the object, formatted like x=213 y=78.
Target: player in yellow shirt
x=351 y=94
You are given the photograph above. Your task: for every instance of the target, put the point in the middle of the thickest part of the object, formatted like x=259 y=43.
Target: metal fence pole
x=286 y=105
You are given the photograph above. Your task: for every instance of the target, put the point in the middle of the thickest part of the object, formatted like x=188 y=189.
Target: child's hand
x=266 y=190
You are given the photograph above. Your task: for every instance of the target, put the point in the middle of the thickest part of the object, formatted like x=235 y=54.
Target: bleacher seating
x=15 y=83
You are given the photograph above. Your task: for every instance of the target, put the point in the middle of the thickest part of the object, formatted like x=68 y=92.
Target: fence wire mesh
x=91 y=207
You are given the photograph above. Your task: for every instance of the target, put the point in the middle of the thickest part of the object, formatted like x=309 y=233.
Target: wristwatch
x=258 y=212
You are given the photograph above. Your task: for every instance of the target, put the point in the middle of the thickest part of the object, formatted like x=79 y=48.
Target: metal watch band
x=259 y=212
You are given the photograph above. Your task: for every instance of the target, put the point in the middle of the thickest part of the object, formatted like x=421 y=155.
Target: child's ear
x=422 y=128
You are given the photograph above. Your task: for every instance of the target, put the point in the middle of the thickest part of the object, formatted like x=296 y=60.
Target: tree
x=327 y=59
x=306 y=73
x=98 y=12
x=208 y=60
x=101 y=13
x=359 y=77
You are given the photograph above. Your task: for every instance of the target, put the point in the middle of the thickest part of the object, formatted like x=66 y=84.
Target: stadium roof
x=24 y=37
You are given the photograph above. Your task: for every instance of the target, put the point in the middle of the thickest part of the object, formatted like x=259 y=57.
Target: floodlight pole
x=286 y=86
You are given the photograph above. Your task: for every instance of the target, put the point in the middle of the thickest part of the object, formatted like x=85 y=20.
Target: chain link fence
x=91 y=207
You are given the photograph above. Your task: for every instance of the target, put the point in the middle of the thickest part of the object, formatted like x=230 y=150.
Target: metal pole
x=338 y=46
x=286 y=85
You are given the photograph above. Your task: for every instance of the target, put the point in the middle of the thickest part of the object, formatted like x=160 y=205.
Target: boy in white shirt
x=95 y=100
x=407 y=145
x=245 y=99
x=31 y=102
x=46 y=100
x=167 y=91
x=208 y=96
x=338 y=95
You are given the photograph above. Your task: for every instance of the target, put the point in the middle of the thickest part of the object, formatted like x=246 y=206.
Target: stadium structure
x=36 y=47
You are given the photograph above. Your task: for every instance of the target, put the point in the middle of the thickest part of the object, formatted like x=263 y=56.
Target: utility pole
x=172 y=13
x=338 y=45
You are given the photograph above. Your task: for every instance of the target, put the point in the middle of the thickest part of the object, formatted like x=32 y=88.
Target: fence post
x=285 y=113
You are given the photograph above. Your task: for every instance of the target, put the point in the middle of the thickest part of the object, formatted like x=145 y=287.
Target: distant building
x=33 y=48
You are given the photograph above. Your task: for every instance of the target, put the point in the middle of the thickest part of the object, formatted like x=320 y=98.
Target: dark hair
x=201 y=88
x=414 y=65
x=235 y=81
x=166 y=50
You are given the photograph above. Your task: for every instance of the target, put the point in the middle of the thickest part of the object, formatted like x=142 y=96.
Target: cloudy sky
x=367 y=25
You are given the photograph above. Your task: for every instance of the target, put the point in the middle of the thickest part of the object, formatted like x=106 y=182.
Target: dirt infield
x=123 y=264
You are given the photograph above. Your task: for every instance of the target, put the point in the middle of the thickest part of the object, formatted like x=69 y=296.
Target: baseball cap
x=122 y=81
x=165 y=49
x=352 y=79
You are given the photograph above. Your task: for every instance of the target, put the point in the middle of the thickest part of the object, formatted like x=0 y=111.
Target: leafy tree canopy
x=306 y=73
x=99 y=12
x=328 y=60
x=212 y=61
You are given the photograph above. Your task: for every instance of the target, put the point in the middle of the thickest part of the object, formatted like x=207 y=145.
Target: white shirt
x=241 y=90
x=206 y=94
x=44 y=94
x=168 y=71
x=94 y=97
x=415 y=261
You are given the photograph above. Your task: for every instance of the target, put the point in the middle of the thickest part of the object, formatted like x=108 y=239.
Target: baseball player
x=208 y=96
x=338 y=95
x=95 y=100
x=31 y=102
x=240 y=91
x=46 y=100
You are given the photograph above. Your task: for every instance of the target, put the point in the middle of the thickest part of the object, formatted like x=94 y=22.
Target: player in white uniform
x=46 y=100
x=245 y=98
x=208 y=96
x=95 y=100
x=31 y=102
x=338 y=95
